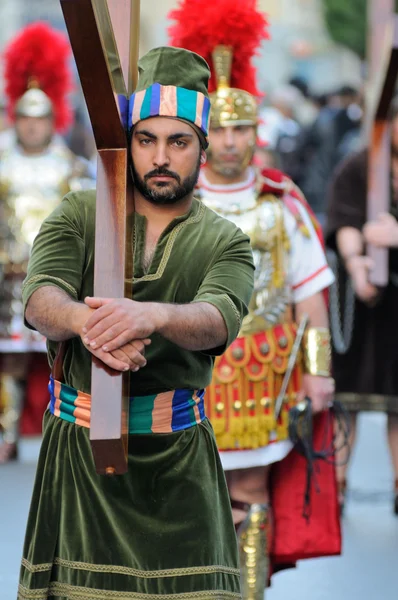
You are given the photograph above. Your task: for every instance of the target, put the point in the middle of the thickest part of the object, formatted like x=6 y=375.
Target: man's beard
x=160 y=194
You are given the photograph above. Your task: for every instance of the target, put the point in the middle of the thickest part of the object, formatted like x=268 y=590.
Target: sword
x=291 y=364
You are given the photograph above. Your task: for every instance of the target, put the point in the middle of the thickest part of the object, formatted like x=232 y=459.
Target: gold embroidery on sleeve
x=44 y=277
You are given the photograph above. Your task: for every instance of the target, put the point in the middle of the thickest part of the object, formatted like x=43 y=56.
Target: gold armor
x=248 y=376
x=31 y=186
x=253 y=555
x=30 y=189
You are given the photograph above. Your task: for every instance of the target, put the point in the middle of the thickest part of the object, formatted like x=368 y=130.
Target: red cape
x=295 y=538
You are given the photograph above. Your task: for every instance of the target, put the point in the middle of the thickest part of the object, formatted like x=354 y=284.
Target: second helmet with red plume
x=228 y=35
x=37 y=75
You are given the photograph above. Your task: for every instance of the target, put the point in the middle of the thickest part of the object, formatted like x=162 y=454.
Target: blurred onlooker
x=280 y=129
x=307 y=109
x=365 y=358
x=334 y=133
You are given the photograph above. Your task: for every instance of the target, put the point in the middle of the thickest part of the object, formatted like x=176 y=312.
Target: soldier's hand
x=319 y=389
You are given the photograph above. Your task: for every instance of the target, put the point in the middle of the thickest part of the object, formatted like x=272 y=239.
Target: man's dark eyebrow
x=177 y=136
x=172 y=138
x=147 y=133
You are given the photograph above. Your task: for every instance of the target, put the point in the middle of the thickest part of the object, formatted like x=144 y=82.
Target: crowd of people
x=218 y=337
x=309 y=135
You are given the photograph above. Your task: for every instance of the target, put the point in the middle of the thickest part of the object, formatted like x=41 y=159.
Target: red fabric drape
x=295 y=538
x=36 y=397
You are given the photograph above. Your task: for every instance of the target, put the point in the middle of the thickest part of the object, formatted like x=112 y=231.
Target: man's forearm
x=349 y=243
x=315 y=308
x=55 y=315
x=197 y=326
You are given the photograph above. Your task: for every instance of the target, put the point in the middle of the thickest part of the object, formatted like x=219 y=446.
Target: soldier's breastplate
x=264 y=224
x=31 y=187
x=271 y=297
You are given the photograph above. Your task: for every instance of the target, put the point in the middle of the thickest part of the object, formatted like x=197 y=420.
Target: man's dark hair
x=301 y=85
x=346 y=91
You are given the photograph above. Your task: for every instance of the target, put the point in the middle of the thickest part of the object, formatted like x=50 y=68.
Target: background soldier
x=291 y=274
x=36 y=170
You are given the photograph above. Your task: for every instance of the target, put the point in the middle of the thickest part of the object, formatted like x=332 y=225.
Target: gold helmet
x=229 y=105
x=37 y=75
x=34 y=103
x=228 y=36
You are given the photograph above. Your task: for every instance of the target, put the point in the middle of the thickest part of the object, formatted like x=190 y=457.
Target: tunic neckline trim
x=195 y=218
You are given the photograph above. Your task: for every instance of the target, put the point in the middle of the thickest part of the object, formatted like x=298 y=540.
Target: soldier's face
x=166 y=157
x=34 y=133
x=231 y=149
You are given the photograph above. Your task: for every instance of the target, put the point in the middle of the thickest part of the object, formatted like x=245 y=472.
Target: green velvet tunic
x=200 y=257
x=164 y=529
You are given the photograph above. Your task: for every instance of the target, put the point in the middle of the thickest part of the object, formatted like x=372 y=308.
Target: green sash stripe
x=140 y=417
x=67 y=407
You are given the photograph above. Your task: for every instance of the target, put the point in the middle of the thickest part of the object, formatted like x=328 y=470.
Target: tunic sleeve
x=228 y=285
x=58 y=252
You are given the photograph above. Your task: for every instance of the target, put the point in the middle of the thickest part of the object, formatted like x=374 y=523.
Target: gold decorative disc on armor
x=283 y=342
x=265 y=402
x=226 y=371
x=238 y=353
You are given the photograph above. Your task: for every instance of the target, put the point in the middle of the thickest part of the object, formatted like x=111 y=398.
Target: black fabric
x=371 y=364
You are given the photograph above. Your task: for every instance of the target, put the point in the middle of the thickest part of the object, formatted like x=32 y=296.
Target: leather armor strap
x=57 y=368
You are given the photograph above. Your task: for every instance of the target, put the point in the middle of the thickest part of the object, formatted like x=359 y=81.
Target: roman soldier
x=36 y=170
x=249 y=416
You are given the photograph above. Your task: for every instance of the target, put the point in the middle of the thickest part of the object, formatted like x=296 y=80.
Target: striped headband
x=170 y=101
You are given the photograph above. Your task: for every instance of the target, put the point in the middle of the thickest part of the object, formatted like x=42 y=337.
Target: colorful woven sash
x=156 y=413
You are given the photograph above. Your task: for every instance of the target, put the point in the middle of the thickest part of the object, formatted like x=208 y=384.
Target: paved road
x=368 y=569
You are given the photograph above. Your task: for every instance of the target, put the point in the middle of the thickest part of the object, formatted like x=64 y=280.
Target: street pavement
x=368 y=569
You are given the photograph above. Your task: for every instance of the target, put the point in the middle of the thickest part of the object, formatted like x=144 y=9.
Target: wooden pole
x=383 y=71
x=98 y=30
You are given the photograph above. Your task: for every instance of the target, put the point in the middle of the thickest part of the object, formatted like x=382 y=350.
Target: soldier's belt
x=247 y=378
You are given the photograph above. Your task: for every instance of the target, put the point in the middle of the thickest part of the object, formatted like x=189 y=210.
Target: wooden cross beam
x=383 y=70
x=104 y=35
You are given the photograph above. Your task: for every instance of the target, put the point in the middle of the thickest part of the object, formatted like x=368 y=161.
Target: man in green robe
x=165 y=528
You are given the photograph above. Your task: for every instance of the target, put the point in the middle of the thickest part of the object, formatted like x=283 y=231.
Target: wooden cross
x=104 y=35
x=383 y=71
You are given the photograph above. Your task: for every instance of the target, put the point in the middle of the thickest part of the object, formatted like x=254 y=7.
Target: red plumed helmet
x=38 y=58
x=202 y=25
